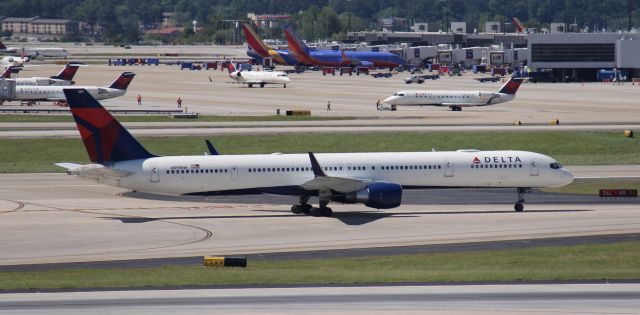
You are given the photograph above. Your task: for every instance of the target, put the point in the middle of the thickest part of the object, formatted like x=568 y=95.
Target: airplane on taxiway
x=34 y=93
x=374 y=179
x=63 y=78
x=455 y=100
x=35 y=52
x=260 y=78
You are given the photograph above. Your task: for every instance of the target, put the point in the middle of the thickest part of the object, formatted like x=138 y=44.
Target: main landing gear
x=456 y=108
x=304 y=207
x=519 y=207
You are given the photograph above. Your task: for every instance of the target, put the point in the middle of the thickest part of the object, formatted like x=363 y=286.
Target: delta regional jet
x=260 y=78
x=64 y=78
x=32 y=93
x=455 y=100
x=376 y=180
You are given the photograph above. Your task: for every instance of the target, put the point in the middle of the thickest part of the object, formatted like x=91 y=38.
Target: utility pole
x=349 y=2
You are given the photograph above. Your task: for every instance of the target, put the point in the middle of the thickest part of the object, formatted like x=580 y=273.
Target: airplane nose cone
x=566 y=178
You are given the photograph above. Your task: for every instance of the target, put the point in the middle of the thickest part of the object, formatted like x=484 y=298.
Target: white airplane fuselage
x=260 y=77
x=42 y=81
x=447 y=98
x=177 y=175
x=55 y=93
x=38 y=52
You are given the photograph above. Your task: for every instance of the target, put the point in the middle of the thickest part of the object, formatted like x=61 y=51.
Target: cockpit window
x=555 y=166
x=400 y=94
x=395 y=94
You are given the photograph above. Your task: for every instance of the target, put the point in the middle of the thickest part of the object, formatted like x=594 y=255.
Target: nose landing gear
x=519 y=207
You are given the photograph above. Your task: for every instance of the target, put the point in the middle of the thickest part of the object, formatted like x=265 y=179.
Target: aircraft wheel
x=250 y=85
x=316 y=212
x=285 y=86
x=518 y=207
x=326 y=212
x=261 y=85
x=297 y=209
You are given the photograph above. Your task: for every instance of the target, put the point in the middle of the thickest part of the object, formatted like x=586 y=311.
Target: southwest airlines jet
x=260 y=50
x=376 y=180
x=330 y=58
x=299 y=53
x=455 y=100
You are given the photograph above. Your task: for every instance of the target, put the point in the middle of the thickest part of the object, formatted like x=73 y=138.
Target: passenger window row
x=496 y=166
x=199 y=171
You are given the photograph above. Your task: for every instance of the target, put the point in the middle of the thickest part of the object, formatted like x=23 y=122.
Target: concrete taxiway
x=438 y=299
x=356 y=96
x=48 y=218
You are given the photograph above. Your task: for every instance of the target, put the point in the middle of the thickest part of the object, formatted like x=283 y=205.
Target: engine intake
x=376 y=195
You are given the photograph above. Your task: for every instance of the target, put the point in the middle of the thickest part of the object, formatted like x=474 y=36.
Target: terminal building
x=579 y=56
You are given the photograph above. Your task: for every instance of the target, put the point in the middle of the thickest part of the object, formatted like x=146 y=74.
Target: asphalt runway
x=55 y=218
x=445 y=299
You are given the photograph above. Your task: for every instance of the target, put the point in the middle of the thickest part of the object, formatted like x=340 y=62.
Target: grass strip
x=592 y=187
x=580 y=262
x=570 y=148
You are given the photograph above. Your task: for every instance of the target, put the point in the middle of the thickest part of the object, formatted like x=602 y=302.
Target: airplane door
x=534 y=168
x=155 y=173
x=448 y=168
x=234 y=172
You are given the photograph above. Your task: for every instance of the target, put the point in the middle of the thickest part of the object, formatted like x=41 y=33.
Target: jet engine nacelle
x=376 y=195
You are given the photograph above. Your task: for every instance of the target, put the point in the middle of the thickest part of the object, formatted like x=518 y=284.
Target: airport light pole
x=349 y=3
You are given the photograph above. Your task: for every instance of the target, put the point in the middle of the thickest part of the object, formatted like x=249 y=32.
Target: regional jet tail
x=260 y=78
x=6 y=74
x=376 y=180
x=455 y=100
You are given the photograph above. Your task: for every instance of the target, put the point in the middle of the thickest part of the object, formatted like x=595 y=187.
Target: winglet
x=212 y=149
x=315 y=166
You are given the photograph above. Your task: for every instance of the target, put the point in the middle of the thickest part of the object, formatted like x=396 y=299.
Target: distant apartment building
x=37 y=25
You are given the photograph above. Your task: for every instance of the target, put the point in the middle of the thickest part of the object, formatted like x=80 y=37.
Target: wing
x=322 y=182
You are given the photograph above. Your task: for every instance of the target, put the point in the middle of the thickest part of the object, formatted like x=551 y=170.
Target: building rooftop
x=19 y=19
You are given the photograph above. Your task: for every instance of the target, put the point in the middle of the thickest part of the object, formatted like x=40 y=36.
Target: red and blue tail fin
x=295 y=43
x=123 y=81
x=68 y=72
x=105 y=139
x=255 y=42
x=511 y=87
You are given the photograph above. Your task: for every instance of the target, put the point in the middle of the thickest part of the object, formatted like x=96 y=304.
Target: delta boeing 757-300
x=374 y=179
